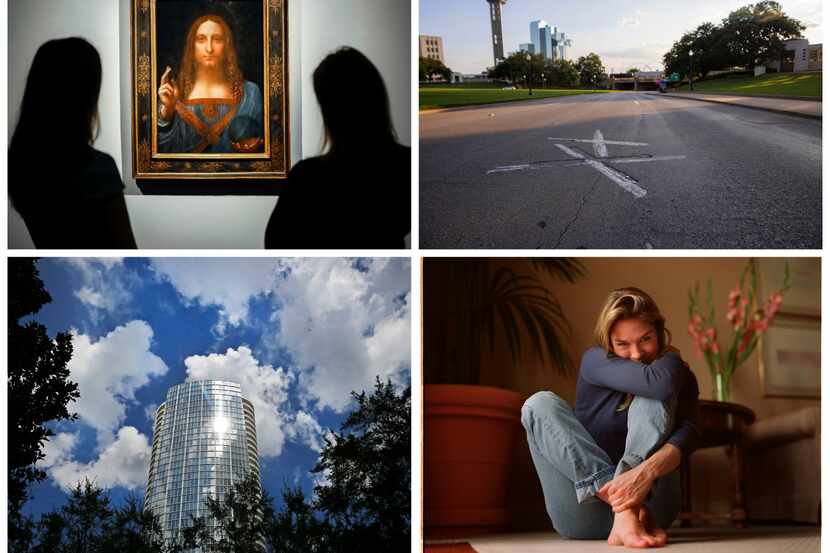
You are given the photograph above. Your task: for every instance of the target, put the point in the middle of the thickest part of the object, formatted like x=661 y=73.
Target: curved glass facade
x=204 y=440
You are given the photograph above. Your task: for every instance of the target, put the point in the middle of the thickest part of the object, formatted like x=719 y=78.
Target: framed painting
x=804 y=295
x=789 y=363
x=210 y=89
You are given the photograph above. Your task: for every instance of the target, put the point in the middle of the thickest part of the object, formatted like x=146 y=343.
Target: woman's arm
x=631 y=488
x=659 y=380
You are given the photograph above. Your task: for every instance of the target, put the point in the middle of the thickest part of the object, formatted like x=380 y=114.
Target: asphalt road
x=621 y=170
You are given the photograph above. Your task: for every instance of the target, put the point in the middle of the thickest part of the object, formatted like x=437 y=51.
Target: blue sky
x=298 y=334
x=624 y=33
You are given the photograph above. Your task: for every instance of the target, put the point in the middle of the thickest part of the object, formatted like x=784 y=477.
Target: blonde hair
x=630 y=303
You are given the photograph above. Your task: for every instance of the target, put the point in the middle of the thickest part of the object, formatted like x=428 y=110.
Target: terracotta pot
x=469 y=439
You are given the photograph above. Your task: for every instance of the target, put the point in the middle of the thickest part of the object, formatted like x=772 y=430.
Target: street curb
x=767 y=96
x=771 y=110
x=479 y=106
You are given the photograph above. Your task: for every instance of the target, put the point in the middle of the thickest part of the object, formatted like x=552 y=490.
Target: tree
x=750 y=35
x=516 y=68
x=590 y=70
x=756 y=33
x=427 y=67
x=367 y=494
x=39 y=388
x=363 y=503
x=88 y=524
x=296 y=528
x=79 y=526
x=633 y=71
x=238 y=522
x=561 y=73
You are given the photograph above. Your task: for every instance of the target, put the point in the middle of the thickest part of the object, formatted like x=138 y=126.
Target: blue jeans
x=573 y=468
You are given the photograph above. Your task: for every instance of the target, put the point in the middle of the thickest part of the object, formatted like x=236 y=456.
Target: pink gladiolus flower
x=715 y=348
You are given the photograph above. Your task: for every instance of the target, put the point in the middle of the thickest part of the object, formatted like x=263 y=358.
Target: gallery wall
x=379 y=28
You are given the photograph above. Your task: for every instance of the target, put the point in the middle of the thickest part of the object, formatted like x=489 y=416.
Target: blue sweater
x=605 y=380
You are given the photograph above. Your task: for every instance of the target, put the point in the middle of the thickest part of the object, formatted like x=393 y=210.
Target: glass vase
x=720 y=387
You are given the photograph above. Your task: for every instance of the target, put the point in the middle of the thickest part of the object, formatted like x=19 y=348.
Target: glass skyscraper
x=204 y=440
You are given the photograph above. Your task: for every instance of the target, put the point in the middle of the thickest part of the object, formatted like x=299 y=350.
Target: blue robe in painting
x=208 y=126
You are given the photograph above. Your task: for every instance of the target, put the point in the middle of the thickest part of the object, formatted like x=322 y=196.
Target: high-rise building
x=560 y=45
x=204 y=440
x=541 y=36
x=431 y=47
x=527 y=47
x=495 y=24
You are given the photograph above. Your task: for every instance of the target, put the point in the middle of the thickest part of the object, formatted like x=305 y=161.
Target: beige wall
x=667 y=280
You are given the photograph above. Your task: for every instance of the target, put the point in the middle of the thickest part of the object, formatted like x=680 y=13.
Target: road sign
x=674 y=77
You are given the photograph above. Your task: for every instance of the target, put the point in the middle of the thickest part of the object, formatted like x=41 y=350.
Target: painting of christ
x=210 y=100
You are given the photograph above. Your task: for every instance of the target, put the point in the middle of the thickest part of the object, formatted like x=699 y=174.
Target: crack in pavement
x=576 y=215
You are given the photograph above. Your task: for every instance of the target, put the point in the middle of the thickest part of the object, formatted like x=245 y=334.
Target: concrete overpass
x=642 y=80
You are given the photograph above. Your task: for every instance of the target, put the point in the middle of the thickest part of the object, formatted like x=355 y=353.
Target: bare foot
x=630 y=532
x=648 y=522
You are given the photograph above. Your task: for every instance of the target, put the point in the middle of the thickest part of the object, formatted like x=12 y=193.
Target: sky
x=625 y=33
x=298 y=334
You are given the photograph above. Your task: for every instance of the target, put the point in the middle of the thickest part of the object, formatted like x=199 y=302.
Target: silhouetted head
x=353 y=101
x=58 y=118
x=61 y=97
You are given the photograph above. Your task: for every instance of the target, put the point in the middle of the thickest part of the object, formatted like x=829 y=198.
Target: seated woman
x=69 y=194
x=608 y=468
x=356 y=195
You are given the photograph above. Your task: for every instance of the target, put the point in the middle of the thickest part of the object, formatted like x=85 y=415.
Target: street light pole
x=529 y=75
x=691 y=84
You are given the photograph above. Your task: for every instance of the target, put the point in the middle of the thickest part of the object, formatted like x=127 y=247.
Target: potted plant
x=470 y=430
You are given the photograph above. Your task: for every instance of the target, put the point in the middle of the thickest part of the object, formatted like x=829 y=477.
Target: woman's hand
x=629 y=489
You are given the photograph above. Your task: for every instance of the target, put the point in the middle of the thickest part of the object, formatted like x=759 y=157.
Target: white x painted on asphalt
x=600 y=152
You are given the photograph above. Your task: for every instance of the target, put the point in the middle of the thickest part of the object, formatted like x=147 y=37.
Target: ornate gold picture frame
x=210 y=89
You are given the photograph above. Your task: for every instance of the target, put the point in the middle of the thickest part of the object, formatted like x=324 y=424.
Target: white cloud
x=58 y=449
x=106 y=284
x=228 y=284
x=305 y=429
x=344 y=327
x=263 y=385
x=125 y=462
x=150 y=411
x=633 y=20
x=109 y=372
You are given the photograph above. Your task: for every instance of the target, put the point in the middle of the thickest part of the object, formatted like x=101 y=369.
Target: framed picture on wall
x=790 y=360
x=804 y=294
x=210 y=89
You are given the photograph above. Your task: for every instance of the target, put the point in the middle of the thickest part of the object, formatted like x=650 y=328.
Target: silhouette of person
x=69 y=194
x=210 y=108
x=356 y=195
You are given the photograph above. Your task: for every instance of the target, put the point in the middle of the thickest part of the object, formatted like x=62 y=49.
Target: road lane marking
x=600 y=149
x=613 y=142
x=644 y=159
x=508 y=168
x=623 y=181
x=636 y=102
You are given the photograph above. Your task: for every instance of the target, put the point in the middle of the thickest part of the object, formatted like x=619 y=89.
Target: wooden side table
x=721 y=424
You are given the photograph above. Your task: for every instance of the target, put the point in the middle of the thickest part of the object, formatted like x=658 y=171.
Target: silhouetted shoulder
x=99 y=179
x=359 y=200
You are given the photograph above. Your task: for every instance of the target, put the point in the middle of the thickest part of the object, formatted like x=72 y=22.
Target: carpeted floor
x=764 y=539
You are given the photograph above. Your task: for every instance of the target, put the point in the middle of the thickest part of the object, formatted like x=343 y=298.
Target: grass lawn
x=434 y=98
x=783 y=84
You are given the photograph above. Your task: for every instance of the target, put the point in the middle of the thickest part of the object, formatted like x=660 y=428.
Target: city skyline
x=623 y=34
